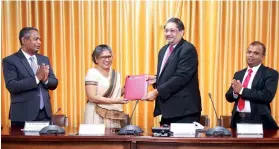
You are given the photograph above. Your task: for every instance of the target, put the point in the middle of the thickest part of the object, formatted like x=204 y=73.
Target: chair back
x=204 y=120
x=225 y=121
x=59 y=120
x=126 y=121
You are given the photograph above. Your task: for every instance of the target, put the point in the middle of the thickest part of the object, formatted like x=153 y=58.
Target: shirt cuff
x=235 y=95
x=46 y=82
x=37 y=80
x=241 y=91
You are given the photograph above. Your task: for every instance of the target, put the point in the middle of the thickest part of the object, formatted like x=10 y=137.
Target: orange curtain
x=221 y=32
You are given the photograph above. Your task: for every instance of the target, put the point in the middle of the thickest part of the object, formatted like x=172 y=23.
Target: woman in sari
x=103 y=89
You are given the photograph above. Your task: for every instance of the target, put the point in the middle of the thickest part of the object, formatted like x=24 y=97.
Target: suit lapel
x=170 y=57
x=258 y=76
x=239 y=76
x=39 y=59
x=256 y=79
x=179 y=45
x=161 y=59
x=25 y=63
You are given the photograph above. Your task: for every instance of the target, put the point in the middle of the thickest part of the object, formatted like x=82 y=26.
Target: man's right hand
x=41 y=73
x=46 y=73
x=151 y=79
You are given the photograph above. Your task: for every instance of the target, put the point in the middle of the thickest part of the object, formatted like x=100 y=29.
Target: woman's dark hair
x=98 y=50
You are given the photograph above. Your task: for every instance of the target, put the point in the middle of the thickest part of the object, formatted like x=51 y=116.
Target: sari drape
x=104 y=88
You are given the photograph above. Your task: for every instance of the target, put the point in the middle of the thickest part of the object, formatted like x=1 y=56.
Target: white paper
x=183 y=129
x=91 y=129
x=184 y=135
x=249 y=129
x=31 y=133
x=249 y=136
x=35 y=125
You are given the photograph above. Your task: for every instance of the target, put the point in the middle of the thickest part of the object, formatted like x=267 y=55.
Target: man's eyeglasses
x=170 y=30
x=106 y=57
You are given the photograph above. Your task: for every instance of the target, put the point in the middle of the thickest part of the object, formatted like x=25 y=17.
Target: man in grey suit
x=29 y=77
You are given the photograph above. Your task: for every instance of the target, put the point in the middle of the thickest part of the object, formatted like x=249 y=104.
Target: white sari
x=107 y=89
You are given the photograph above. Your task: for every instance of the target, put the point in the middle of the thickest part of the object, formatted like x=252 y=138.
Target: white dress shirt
x=247 y=107
x=165 y=58
x=27 y=56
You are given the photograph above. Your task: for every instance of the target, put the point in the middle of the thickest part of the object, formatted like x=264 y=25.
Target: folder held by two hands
x=135 y=87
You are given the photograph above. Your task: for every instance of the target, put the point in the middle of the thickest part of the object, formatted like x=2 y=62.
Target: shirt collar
x=255 y=69
x=173 y=46
x=27 y=56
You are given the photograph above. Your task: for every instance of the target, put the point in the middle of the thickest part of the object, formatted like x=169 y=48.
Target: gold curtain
x=221 y=32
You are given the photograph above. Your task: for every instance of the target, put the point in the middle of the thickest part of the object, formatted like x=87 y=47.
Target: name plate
x=92 y=129
x=31 y=133
x=183 y=129
x=35 y=125
x=249 y=130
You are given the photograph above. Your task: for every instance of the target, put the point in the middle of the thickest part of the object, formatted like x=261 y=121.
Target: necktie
x=33 y=64
x=168 y=55
x=34 y=68
x=241 y=102
x=166 y=58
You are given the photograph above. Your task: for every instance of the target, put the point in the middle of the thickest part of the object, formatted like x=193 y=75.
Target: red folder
x=135 y=87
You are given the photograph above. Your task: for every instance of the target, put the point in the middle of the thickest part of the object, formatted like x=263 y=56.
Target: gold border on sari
x=91 y=83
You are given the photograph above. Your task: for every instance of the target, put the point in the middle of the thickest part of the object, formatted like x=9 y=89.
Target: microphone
x=219 y=130
x=52 y=128
x=59 y=109
x=133 y=112
x=131 y=129
x=218 y=120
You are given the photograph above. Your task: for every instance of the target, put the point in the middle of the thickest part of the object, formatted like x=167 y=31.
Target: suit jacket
x=25 y=92
x=260 y=95
x=178 y=85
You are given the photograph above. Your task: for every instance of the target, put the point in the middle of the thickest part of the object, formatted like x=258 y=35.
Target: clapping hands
x=42 y=72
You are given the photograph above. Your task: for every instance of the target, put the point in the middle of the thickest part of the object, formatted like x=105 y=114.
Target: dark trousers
x=182 y=119
x=247 y=119
x=42 y=116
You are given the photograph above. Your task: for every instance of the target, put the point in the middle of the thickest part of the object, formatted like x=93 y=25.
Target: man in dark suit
x=29 y=77
x=253 y=89
x=176 y=90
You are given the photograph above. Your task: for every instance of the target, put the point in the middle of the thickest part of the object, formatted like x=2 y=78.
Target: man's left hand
x=150 y=96
x=237 y=86
x=46 y=69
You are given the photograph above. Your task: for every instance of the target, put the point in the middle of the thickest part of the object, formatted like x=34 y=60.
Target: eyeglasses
x=170 y=30
x=105 y=57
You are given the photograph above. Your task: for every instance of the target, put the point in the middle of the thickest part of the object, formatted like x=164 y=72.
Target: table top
x=15 y=134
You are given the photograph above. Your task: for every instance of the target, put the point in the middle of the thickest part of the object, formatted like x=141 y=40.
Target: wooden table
x=13 y=138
